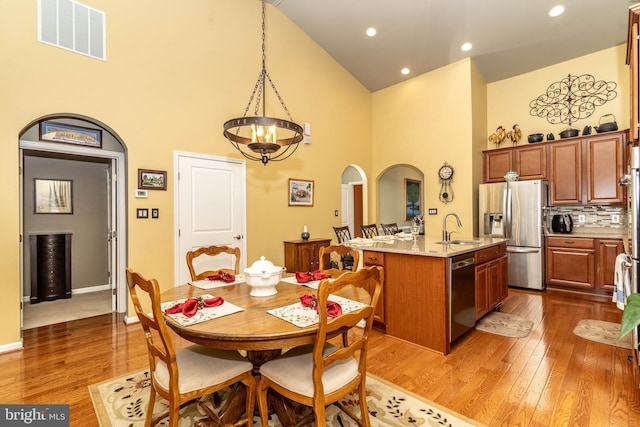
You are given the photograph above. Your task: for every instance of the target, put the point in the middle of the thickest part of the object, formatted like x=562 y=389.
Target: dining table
x=253 y=329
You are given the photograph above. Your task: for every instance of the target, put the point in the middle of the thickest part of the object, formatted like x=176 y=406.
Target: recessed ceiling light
x=371 y=31
x=466 y=47
x=556 y=11
x=405 y=71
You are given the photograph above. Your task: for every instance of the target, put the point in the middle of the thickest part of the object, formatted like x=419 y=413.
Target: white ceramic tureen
x=263 y=277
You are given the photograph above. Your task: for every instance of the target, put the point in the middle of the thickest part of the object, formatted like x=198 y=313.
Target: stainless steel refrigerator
x=632 y=244
x=515 y=211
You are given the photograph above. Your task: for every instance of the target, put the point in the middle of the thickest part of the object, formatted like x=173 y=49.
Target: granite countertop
x=425 y=246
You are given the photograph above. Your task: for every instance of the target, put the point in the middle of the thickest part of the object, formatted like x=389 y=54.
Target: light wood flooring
x=550 y=378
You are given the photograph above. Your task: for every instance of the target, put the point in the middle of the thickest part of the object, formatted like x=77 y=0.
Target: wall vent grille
x=72 y=26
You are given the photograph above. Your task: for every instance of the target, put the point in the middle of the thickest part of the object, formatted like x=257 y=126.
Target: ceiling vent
x=72 y=26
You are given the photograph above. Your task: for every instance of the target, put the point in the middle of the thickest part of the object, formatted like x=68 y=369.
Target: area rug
x=602 y=332
x=122 y=401
x=505 y=324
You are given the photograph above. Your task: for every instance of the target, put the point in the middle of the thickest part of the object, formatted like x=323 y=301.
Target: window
x=72 y=26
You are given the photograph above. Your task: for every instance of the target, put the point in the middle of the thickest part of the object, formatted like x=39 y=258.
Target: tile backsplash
x=596 y=218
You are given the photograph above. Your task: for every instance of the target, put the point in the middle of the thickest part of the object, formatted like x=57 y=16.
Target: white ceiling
x=509 y=37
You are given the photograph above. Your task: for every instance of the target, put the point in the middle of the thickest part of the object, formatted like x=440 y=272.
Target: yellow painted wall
x=425 y=122
x=174 y=74
x=508 y=100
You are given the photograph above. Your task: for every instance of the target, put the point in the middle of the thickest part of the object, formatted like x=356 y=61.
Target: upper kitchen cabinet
x=529 y=161
x=584 y=171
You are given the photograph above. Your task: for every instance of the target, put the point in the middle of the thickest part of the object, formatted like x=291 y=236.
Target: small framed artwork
x=53 y=196
x=412 y=198
x=152 y=180
x=78 y=135
x=300 y=192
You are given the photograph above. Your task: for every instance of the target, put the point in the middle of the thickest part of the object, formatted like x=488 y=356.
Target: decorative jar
x=511 y=176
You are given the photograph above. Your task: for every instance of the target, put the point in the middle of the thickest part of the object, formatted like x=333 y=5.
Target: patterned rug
x=602 y=332
x=508 y=325
x=121 y=402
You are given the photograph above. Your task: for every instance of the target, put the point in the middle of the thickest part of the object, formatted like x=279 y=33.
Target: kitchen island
x=417 y=292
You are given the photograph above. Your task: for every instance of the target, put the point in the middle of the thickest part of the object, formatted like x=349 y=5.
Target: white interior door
x=210 y=209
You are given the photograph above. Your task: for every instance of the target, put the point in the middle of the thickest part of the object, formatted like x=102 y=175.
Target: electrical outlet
x=581 y=219
x=433 y=211
x=615 y=219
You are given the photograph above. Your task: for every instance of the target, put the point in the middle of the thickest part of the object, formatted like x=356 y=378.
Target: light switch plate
x=433 y=211
x=615 y=219
x=581 y=219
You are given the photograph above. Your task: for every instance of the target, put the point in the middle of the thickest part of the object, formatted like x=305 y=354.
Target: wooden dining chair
x=320 y=374
x=369 y=231
x=389 y=229
x=212 y=251
x=336 y=259
x=342 y=233
x=183 y=375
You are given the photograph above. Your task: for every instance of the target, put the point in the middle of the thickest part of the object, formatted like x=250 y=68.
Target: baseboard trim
x=87 y=290
x=6 y=348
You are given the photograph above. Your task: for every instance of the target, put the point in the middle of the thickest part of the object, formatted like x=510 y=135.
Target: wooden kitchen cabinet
x=491 y=278
x=370 y=258
x=565 y=173
x=529 y=161
x=302 y=255
x=570 y=263
x=605 y=166
x=606 y=252
x=586 y=170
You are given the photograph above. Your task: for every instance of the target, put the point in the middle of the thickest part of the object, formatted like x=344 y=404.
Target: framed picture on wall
x=60 y=132
x=412 y=198
x=300 y=192
x=152 y=180
x=53 y=196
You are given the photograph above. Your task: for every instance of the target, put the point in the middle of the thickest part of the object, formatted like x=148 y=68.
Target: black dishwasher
x=462 y=295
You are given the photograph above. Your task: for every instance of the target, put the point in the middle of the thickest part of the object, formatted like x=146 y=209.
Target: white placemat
x=313 y=284
x=203 y=314
x=211 y=284
x=303 y=316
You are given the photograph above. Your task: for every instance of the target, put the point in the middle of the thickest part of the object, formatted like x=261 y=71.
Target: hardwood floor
x=550 y=378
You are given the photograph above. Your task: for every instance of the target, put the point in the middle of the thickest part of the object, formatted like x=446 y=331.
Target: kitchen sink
x=460 y=242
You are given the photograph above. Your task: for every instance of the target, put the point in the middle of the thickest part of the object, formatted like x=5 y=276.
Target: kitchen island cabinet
x=491 y=278
x=377 y=259
x=417 y=296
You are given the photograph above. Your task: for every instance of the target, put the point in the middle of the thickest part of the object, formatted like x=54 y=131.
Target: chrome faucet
x=446 y=236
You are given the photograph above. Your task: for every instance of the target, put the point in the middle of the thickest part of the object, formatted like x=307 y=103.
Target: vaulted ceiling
x=509 y=37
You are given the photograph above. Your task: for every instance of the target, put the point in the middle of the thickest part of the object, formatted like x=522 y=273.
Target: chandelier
x=259 y=137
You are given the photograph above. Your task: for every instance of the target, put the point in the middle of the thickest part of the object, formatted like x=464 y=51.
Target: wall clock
x=445 y=173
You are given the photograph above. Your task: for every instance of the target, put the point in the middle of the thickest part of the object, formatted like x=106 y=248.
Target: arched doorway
x=96 y=222
x=392 y=203
x=355 y=201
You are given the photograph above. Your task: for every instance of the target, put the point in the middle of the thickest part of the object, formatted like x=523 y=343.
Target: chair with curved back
x=342 y=233
x=320 y=374
x=369 y=231
x=183 y=375
x=389 y=229
x=336 y=259
x=212 y=251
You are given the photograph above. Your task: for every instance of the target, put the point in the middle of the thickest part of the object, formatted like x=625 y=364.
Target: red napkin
x=333 y=308
x=305 y=277
x=226 y=277
x=191 y=305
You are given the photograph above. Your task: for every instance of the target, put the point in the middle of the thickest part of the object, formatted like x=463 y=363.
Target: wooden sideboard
x=302 y=255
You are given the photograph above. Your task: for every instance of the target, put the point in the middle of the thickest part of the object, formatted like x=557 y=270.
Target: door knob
x=238 y=237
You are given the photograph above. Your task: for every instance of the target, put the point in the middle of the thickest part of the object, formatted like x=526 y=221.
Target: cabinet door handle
x=373 y=258
x=569 y=243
